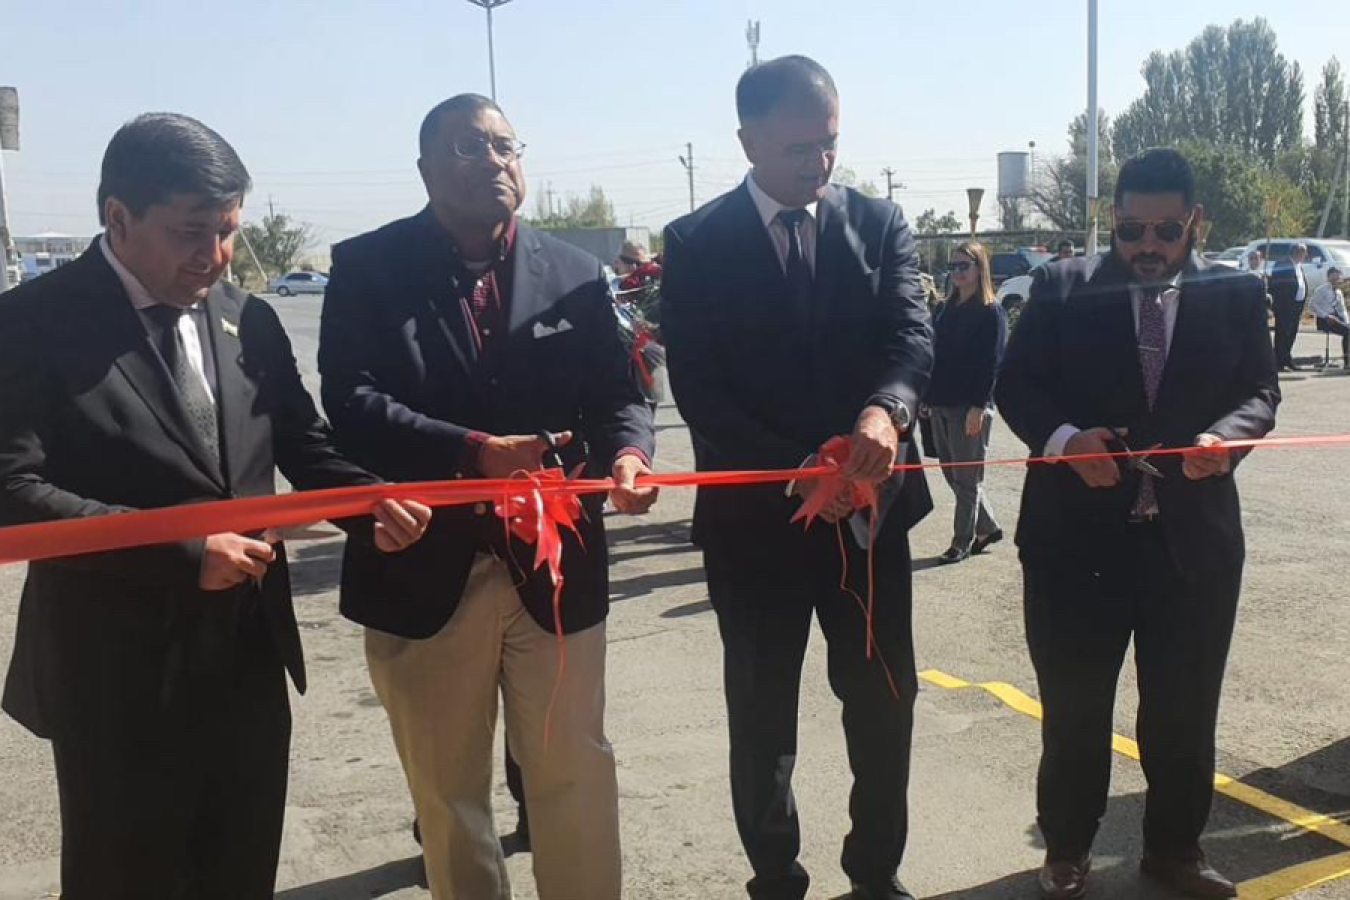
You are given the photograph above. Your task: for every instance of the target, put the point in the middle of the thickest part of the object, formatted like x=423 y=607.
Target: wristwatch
x=898 y=411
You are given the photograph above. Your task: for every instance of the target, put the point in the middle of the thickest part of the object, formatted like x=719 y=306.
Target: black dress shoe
x=1064 y=880
x=417 y=832
x=1191 y=876
x=953 y=555
x=982 y=543
x=888 y=890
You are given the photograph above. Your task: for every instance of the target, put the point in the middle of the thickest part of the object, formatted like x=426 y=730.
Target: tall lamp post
x=490 y=5
x=975 y=195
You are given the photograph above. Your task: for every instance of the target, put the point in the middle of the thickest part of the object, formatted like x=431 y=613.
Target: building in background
x=603 y=243
x=42 y=253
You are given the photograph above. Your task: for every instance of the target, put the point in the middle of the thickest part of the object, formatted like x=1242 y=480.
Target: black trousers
x=764 y=615
x=1287 y=317
x=1079 y=625
x=1336 y=326
x=173 y=786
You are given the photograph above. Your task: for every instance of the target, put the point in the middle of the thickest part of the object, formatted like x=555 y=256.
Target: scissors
x=551 y=457
x=1136 y=460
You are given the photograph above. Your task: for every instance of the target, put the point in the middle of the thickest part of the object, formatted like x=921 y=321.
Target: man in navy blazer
x=462 y=343
x=793 y=313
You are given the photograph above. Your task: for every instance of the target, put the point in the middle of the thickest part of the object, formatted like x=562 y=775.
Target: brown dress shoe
x=1065 y=880
x=1193 y=877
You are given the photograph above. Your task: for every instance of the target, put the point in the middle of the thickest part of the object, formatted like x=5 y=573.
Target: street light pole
x=1093 y=183
x=490 y=5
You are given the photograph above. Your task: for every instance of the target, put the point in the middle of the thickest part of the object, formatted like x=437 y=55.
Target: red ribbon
x=639 y=344
x=70 y=537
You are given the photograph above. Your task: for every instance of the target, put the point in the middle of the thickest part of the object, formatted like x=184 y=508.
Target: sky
x=323 y=99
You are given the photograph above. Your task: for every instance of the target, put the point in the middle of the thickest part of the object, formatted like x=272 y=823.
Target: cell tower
x=752 y=39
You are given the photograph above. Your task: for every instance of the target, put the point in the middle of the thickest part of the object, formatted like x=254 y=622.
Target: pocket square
x=542 y=331
x=229 y=328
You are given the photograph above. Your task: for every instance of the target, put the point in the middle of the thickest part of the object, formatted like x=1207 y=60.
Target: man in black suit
x=1289 y=294
x=460 y=342
x=1141 y=347
x=793 y=313
x=135 y=378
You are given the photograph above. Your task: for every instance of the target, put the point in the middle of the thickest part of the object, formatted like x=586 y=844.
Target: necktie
x=1152 y=358
x=797 y=269
x=200 y=410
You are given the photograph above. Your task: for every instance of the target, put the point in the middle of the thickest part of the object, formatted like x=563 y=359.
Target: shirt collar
x=140 y=297
x=768 y=207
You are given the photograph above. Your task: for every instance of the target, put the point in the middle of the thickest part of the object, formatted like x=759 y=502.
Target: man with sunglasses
x=1139 y=348
x=461 y=343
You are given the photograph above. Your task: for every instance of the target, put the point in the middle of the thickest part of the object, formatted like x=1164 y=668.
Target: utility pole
x=891 y=184
x=688 y=163
x=490 y=5
x=271 y=208
x=1093 y=135
x=548 y=194
x=752 y=39
x=9 y=140
x=1345 y=200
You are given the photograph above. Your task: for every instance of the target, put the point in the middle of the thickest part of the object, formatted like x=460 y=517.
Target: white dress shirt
x=769 y=209
x=1329 y=303
x=190 y=326
x=1302 y=285
x=1171 y=301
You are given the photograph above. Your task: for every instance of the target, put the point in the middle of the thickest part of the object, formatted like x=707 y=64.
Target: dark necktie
x=1152 y=359
x=797 y=269
x=201 y=411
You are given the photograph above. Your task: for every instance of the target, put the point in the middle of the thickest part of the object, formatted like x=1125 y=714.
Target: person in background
x=1328 y=309
x=969 y=339
x=635 y=268
x=1065 y=250
x=1289 y=288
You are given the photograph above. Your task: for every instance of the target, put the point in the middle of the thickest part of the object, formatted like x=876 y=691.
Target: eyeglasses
x=961 y=267
x=477 y=149
x=1169 y=231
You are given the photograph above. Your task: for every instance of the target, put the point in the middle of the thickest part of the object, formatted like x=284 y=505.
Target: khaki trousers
x=441 y=697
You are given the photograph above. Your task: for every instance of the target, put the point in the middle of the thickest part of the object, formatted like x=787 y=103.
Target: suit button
x=494 y=382
x=480 y=509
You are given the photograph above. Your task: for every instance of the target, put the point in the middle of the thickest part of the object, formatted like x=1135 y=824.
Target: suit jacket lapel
x=234 y=391
x=835 y=241
x=751 y=257
x=115 y=319
x=1114 y=315
x=1187 y=331
x=527 y=277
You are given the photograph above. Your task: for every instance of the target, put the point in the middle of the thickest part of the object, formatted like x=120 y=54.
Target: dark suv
x=1003 y=266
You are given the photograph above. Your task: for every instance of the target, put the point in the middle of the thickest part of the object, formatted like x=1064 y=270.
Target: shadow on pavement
x=642 y=585
x=377 y=882
x=315 y=568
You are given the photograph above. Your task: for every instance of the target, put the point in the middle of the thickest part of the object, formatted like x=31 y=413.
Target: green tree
x=1059 y=192
x=1233 y=187
x=278 y=242
x=592 y=210
x=929 y=222
x=1329 y=108
x=1230 y=87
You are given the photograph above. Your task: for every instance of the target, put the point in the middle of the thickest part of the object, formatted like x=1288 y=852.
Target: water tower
x=1014 y=186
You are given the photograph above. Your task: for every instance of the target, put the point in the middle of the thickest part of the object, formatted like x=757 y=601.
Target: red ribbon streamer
x=69 y=537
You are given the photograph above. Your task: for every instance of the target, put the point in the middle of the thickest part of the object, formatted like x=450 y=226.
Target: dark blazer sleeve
x=1027 y=385
x=29 y=392
x=614 y=415
x=1254 y=416
x=354 y=398
x=909 y=334
x=697 y=373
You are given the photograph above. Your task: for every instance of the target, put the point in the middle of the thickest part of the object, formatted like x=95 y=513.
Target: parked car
x=1232 y=257
x=299 y=283
x=1322 y=255
x=1014 y=290
x=1003 y=266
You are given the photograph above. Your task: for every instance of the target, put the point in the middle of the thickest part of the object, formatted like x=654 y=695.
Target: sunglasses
x=961 y=267
x=1168 y=231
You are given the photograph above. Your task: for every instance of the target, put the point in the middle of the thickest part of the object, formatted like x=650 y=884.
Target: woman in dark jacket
x=970 y=333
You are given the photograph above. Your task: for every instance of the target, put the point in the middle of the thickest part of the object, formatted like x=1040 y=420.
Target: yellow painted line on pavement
x=1296 y=878
x=1283 y=810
